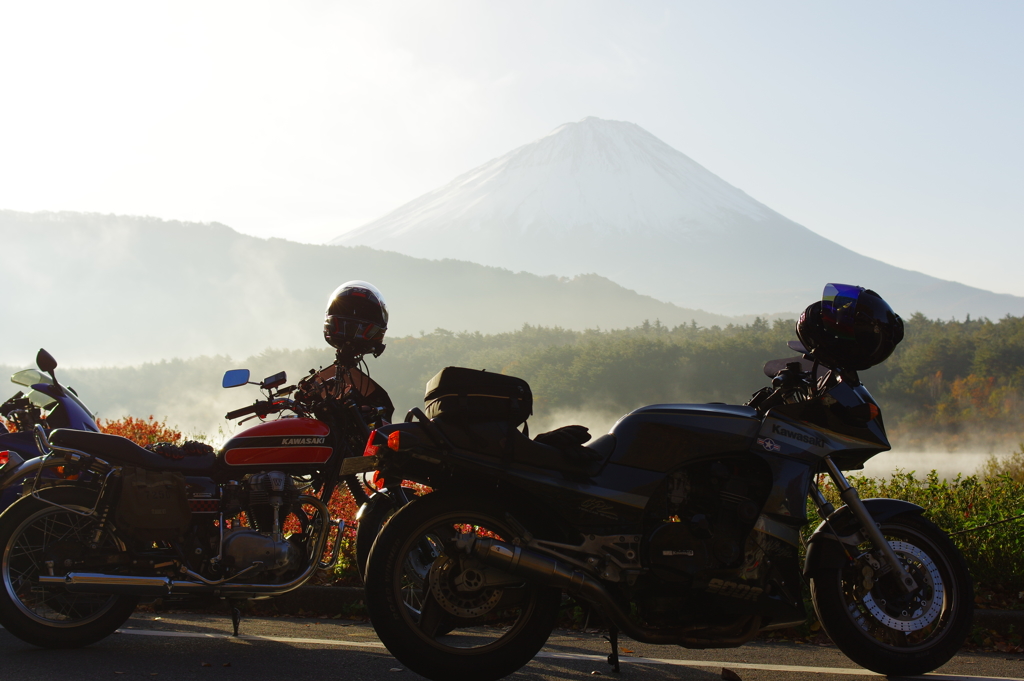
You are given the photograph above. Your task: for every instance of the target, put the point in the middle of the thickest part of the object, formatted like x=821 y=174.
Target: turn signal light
x=393 y=440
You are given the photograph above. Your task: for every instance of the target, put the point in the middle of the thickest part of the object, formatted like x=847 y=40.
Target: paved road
x=189 y=646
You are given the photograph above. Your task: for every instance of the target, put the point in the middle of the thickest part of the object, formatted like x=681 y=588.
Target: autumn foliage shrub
x=140 y=431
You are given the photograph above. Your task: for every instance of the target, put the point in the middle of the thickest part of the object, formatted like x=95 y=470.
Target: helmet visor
x=838 y=309
x=354 y=329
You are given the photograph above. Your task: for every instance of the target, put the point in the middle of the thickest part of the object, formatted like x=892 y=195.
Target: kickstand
x=236 y=617
x=613 y=638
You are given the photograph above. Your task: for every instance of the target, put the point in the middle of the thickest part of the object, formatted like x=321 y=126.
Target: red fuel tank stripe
x=259 y=456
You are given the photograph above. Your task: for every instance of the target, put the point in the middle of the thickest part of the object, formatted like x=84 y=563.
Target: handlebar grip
x=251 y=409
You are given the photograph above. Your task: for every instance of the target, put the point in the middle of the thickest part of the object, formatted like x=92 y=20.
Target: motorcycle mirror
x=45 y=361
x=235 y=378
x=271 y=382
x=797 y=346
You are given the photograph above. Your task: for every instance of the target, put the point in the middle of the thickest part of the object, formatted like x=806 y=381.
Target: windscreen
x=30 y=377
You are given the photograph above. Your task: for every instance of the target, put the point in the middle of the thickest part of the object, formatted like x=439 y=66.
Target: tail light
x=371 y=448
x=10 y=459
x=67 y=475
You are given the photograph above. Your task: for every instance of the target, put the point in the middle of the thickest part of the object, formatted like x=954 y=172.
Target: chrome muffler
x=86 y=582
x=131 y=585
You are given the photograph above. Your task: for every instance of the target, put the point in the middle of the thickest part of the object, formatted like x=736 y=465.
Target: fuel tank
x=283 y=444
x=660 y=437
x=649 y=443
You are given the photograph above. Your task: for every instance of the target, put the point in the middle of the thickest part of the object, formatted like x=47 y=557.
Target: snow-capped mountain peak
x=595 y=174
x=609 y=197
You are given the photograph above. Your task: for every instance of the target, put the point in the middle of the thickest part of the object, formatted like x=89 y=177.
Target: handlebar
x=251 y=409
x=261 y=408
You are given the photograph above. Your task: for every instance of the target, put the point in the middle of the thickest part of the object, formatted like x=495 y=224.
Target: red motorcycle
x=117 y=523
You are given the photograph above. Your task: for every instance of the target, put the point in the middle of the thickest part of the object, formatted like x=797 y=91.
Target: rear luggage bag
x=153 y=505
x=460 y=394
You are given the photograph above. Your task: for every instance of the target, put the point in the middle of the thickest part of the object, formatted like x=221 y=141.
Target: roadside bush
x=141 y=431
x=1011 y=465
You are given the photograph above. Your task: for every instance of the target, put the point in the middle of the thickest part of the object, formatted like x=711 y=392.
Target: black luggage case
x=457 y=393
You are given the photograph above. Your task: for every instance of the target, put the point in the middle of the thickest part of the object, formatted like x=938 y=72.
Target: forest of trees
x=948 y=379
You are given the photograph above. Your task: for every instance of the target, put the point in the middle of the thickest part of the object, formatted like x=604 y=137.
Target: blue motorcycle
x=48 y=404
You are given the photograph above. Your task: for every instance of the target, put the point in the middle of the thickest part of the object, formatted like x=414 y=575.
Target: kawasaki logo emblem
x=799 y=437
x=303 y=440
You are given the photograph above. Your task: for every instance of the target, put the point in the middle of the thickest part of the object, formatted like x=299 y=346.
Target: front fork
x=848 y=493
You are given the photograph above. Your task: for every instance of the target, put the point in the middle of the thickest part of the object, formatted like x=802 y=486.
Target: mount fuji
x=608 y=197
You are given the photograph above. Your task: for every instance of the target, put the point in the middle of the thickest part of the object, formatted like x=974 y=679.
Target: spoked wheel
x=37 y=539
x=444 y=614
x=879 y=626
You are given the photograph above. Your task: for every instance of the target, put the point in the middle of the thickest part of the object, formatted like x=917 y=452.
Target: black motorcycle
x=680 y=526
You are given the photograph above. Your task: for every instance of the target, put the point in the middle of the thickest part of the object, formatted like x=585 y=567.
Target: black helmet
x=851 y=328
x=357 y=317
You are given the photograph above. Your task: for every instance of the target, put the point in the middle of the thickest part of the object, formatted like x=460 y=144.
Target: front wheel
x=881 y=627
x=37 y=538
x=444 y=614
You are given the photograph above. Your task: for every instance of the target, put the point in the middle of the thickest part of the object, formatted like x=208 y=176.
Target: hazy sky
x=894 y=129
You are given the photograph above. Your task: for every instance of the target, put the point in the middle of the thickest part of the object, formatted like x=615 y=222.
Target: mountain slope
x=608 y=197
x=106 y=289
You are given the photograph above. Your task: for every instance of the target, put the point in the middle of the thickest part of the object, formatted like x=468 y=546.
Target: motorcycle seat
x=122 y=451
x=497 y=439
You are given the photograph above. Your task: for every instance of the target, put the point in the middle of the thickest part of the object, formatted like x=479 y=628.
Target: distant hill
x=609 y=197
x=105 y=289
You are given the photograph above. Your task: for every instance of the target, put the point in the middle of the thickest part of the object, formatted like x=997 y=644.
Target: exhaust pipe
x=553 y=572
x=132 y=585
x=84 y=582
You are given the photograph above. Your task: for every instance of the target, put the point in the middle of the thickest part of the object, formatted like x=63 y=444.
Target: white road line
x=243 y=637
x=842 y=671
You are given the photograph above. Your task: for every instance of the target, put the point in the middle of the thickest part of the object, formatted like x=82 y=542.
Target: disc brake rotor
x=462 y=603
x=923 y=606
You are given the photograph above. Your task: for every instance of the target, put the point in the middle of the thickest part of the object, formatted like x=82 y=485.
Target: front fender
x=370 y=508
x=826 y=550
